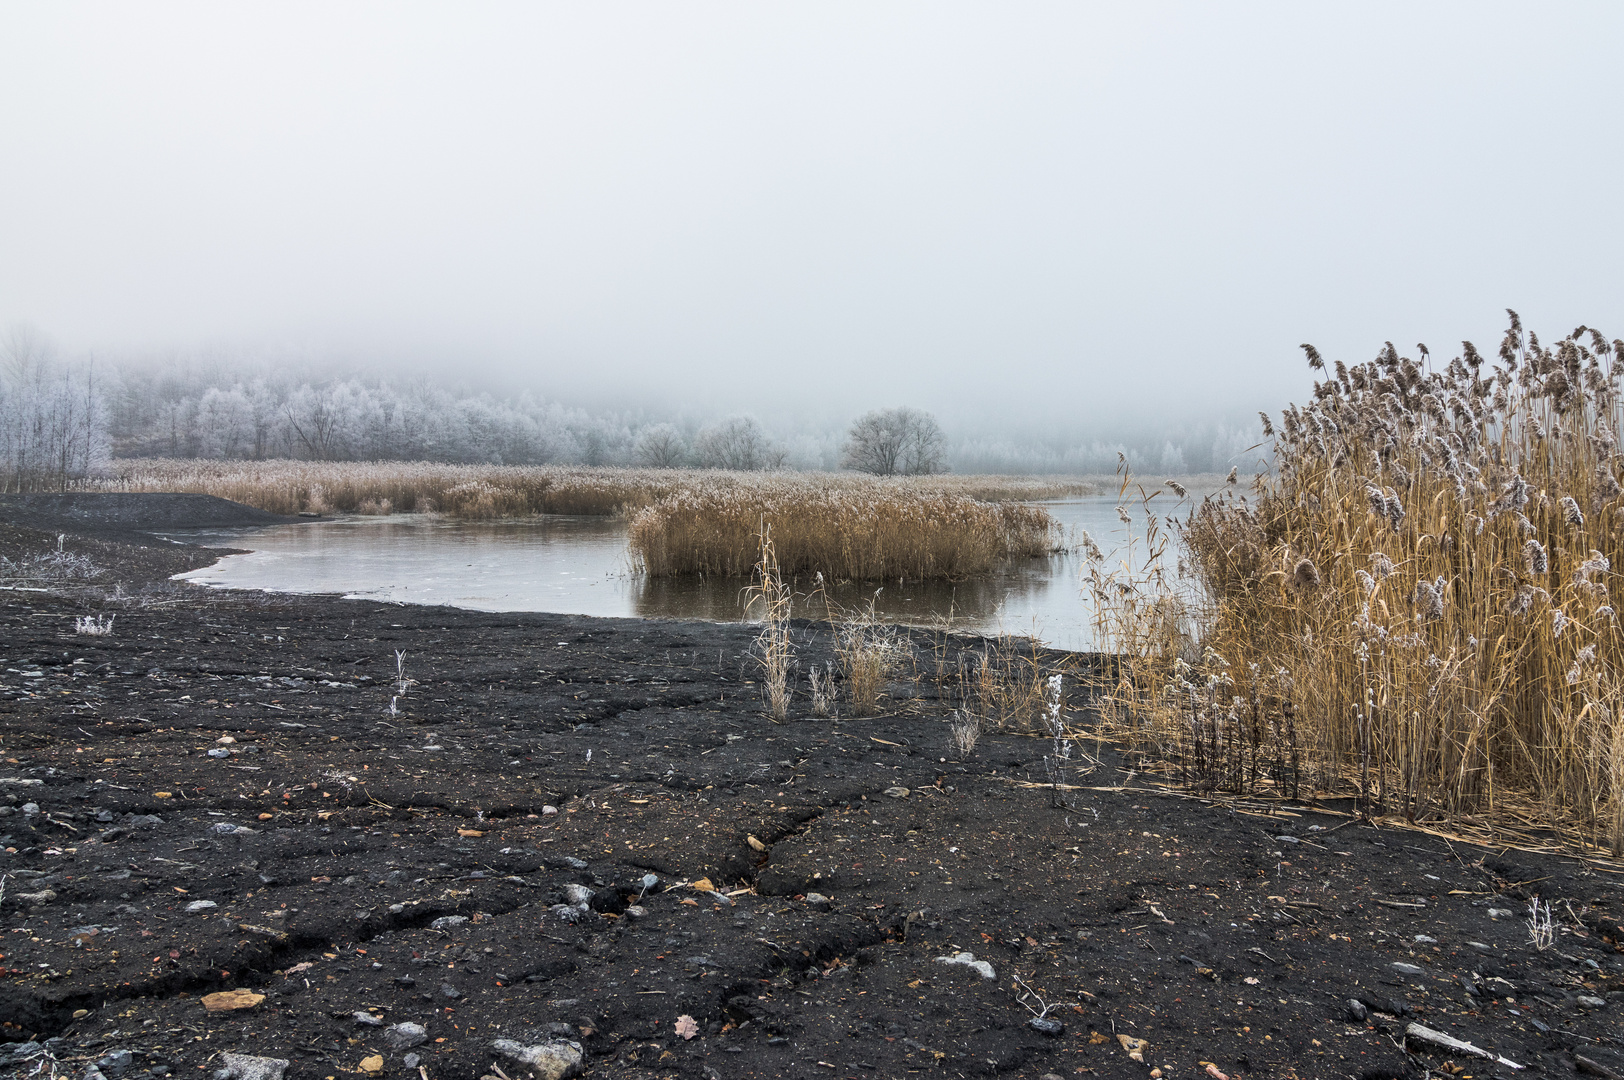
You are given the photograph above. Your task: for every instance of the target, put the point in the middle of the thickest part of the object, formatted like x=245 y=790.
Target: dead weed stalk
x=774 y=649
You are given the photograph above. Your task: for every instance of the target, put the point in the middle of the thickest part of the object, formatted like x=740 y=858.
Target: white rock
x=405 y=1036
x=545 y=1061
x=198 y=906
x=249 y=1067
x=966 y=959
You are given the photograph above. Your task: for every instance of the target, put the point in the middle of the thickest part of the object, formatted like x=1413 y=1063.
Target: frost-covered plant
x=822 y=682
x=964 y=729
x=94 y=625
x=1541 y=927
x=57 y=565
x=1059 y=757
x=869 y=651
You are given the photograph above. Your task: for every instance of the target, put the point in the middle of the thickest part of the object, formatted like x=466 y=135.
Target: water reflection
x=1005 y=601
x=580 y=566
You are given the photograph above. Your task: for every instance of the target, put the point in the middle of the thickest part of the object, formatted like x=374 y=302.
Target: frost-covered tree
x=53 y=423
x=225 y=423
x=737 y=443
x=661 y=446
x=890 y=442
x=316 y=416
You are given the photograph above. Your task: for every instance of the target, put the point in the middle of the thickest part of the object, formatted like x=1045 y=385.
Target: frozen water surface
x=580 y=565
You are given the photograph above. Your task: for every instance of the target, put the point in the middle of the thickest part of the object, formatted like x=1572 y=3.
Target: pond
x=580 y=565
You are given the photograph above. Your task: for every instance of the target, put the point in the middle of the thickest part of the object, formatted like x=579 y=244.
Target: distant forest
x=60 y=419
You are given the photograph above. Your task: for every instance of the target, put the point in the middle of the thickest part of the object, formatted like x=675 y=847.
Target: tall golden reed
x=479 y=492
x=877 y=531
x=1420 y=591
x=502 y=491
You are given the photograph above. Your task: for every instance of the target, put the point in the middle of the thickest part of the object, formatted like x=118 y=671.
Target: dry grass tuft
x=774 y=649
x=1416 y=602
x=964 y=731
x=821 y=683
x=869 y=652
x=875 y=530
x=1003 y=686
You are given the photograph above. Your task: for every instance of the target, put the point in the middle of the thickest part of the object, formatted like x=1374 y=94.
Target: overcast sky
x=1054 y=213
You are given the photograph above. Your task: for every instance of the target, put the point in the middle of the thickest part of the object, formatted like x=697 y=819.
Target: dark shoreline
x=118 y=515
x=332 y=834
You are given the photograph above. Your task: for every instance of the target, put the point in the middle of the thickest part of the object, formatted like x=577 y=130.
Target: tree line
x=61 y=419
x=166 y=412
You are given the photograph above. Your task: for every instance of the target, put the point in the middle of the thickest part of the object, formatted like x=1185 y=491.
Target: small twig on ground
x=1023 y=991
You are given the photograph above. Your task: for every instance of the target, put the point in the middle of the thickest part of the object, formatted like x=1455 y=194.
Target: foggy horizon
x=1036 y=220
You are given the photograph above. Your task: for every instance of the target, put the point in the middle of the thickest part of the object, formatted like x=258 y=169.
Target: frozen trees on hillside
x=52 y=422
x=157 y=415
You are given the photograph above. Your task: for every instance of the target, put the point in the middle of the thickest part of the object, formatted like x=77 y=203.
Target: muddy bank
x=118 y=515
x=232 y=792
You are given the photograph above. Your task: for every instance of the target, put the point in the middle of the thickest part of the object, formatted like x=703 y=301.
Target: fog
x=1053 y=225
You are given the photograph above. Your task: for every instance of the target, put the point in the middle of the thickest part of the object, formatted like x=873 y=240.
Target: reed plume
x=1421 y=587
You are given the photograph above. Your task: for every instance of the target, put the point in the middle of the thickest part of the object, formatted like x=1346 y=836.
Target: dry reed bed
x=498 y=491
x=880 y=530
x=1416 y=602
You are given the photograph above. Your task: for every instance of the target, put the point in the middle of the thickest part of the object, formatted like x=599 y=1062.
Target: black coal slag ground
x=364 y=867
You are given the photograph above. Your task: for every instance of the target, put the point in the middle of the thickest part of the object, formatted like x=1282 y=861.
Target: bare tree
x=891 y=442
x=317 y=418
x=661 y=446
x=737 y=443
x=23 y=353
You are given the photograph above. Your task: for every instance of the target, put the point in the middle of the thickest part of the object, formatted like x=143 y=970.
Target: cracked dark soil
x=335 y=838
